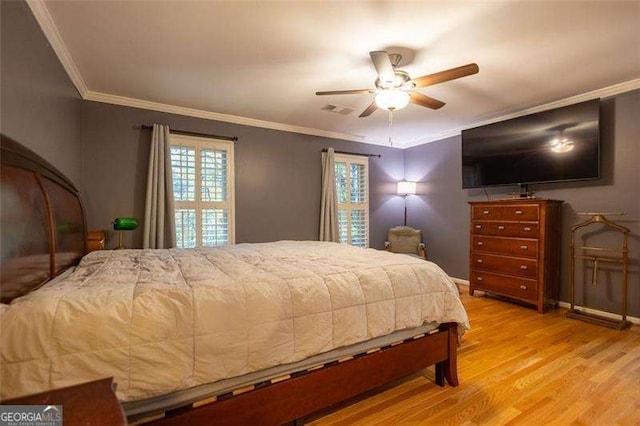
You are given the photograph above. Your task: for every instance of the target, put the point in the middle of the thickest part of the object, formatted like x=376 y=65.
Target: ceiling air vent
x=337 y=109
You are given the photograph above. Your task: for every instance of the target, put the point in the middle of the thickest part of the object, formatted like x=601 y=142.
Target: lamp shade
x=125 y=223
x=392 y=99
x=406 y=188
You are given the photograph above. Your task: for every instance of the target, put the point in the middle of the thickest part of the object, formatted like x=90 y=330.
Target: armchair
x=407 y=240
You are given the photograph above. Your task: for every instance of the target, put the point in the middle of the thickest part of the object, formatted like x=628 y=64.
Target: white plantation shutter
x=203 y=191
x=352 y=187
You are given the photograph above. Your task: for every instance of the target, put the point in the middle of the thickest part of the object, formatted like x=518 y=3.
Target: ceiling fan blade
x=370 y=109
x=425 y=101
x=346 y=92
x=383 y=66
x=442 y=76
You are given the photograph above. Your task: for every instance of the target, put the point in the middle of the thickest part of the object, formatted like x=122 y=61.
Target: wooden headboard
x=42 y=222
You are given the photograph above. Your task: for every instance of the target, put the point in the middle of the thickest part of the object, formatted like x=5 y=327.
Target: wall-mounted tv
x=549 y=146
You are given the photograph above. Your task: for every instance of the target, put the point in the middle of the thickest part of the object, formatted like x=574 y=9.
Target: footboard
x=312 y=390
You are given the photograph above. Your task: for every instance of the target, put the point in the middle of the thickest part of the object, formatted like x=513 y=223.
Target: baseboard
x=633 y=320
x=460 y=281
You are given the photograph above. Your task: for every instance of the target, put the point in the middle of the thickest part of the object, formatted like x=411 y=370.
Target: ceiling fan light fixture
x=394 y=88
x=392 y=99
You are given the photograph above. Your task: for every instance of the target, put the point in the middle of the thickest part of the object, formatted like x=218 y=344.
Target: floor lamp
x=406 y=188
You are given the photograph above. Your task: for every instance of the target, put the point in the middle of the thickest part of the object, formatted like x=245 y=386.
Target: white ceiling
x=264 y=60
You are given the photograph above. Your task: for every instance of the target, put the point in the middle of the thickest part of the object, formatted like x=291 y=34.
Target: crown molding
x=50 y=30
x=608 y=91
x=605 y=92
x=227 y=118
x=42 y=15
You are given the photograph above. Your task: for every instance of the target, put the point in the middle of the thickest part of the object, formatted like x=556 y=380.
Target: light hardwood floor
x=516 y=367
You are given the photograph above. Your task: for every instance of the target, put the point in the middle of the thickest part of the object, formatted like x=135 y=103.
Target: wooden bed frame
x=44 y=212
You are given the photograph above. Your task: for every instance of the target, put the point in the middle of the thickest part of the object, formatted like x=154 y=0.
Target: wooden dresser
x=515 y=249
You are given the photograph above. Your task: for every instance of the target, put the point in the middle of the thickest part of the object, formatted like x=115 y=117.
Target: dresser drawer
x=517 y=212
x=512 y=246
x=521 y=267
x=486 y=212
x=509 y=229
x=509 y=286
x=520 y=212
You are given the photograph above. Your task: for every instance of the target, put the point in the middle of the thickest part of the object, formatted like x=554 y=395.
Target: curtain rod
x=354 y=153
x=188 y=133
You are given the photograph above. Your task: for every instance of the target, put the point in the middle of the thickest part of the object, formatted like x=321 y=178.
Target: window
x=203 y=191
x=352 y=186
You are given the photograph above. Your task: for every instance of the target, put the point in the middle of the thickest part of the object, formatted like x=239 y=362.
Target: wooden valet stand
x=610 y=255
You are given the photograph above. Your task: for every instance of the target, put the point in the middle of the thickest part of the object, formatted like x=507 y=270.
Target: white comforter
x=163 y=320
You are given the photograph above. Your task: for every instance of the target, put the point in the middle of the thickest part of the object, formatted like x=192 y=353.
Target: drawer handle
x=479 y=278
x=523 y=267
x=524 y=247
x=527 y=228
x=480 y=243
x=479 y=260
x=500 y=227
x=518 y=211
x=485 y=212
x=523 y=287
x=478 y=226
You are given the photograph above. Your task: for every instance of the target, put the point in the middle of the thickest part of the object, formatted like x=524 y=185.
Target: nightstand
x=96 y=240
x=92 y=403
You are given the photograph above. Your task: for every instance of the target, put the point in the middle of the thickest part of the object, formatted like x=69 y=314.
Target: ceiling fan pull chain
x=390 y=117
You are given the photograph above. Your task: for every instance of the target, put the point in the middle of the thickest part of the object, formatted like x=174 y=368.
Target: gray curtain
x=159 y=215
x=328 y=204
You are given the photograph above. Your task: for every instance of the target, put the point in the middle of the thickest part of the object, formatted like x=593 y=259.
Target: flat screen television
x=562 y=144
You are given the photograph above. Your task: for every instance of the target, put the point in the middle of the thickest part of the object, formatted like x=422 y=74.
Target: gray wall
x=277 y=179
x=441 y=209
x=39 y=106
x=101 y=149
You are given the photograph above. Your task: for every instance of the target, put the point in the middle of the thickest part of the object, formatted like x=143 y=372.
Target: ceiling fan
x=395 y=88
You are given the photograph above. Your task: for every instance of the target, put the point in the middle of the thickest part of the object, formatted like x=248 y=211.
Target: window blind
x=202 y=170
x=352 y=187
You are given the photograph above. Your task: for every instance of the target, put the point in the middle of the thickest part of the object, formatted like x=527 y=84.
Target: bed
x=248 y=333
